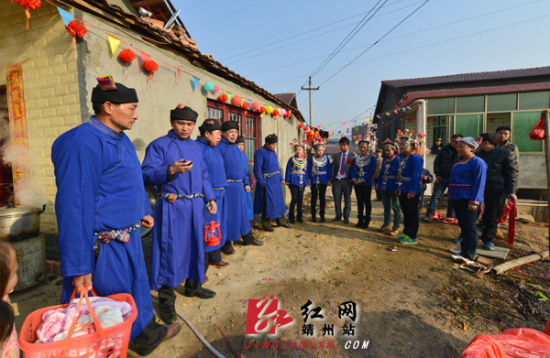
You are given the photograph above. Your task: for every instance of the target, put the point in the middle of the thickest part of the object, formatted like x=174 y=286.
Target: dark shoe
x=365 y=224
x=266 y=225
x=336 y=219
x=152 y=336
x=249 y=239
x=228 y=248
x=300 y=220
x=313 y=218
x=322 y=219
x=221 y=263
x=199 y=292
x=346 y=220
x=172 y=330
x=282 y=222
x=291 y=220
x=359 y=223
x=168 y=314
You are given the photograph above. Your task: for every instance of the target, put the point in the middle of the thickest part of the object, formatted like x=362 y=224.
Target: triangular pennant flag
x=195 y=82
x=229 y=96
x=65 y=16
x=144 y=56
x=113 y=43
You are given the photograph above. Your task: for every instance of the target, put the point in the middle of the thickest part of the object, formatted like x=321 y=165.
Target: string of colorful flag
x=78 y=30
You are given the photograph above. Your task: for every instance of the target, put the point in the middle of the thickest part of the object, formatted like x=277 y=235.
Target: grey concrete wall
x=161 y=94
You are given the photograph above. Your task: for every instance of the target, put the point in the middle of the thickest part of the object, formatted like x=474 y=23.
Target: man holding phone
x=175 y=164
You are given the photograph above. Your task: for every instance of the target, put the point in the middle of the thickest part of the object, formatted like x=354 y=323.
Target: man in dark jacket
x=442 y=168
x=501 y=184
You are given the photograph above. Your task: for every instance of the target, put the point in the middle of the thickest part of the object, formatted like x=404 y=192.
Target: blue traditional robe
x=237 y=217
x=318 y=170
x=408 y=173
x=178 y=236
x=467 y=180
x=363 y=168
x=294 y=175
x=388 y=174
x=216 y=172
x=100 y=188
x=268 y=188
x=248 y=196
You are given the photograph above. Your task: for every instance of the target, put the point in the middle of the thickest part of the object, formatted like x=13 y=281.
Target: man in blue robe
x=100 y=205
x=210 y=136
x=174 y=163
x=238 y=185
x=268 y=198
x=248 y=196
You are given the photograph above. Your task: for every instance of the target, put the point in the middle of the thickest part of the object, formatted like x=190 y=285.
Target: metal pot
x=19 y=222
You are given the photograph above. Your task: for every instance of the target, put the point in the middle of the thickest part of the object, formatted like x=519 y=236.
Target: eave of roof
x=160 y=38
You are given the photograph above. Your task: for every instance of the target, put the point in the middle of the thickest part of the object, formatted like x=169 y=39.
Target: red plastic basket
x=104 y=342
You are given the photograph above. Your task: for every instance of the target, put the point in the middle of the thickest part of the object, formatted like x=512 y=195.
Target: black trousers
x=363 y=194
x=212 y=257
x=297 y=193
x=321 y=191
x=409 y=207
x=341 y=188
x=493 y=204
x=468 y=227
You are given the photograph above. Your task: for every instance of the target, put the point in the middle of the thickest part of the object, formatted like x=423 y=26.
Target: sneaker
x=394 y=231
x=427 y=218
x=407 y=240
x=489 y=246
x=458 y=240
x=455 y=251
x=402 y=236
x=384 y=227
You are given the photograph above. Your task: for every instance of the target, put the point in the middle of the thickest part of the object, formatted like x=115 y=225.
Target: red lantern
x=237 y=100
x=300 y=125
x=29 y=5
x=246 y=105
x=288 y=114
x=262 y=109
x=275 y=113
x=127 y=56
x=306 y=128
x=223 y=97
x=76 y=29
x=150 y=67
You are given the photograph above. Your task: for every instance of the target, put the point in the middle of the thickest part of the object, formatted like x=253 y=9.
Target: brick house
x=55 y=76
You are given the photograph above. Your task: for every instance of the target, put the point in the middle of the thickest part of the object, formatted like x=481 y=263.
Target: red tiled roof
x=470 y=77
x=171 y=41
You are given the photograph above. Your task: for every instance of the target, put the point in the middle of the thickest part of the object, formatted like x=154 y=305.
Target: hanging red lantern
x=237 y=100
x=288 y=114
x=261 y=109
x=306 y=128
x=300 y=125
x=29 y=5
x=150 y=67
x=76 y=29
x=223 y=97
x=275 y=113
x=127 y=56
x=246 y=105
x=256 y=106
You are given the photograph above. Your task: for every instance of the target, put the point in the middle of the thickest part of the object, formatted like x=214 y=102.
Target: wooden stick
x=520 y=261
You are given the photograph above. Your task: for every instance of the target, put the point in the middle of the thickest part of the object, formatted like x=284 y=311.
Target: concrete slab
x=499 y=253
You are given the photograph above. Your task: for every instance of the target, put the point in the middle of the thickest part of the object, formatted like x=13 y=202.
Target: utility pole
x=310 y=101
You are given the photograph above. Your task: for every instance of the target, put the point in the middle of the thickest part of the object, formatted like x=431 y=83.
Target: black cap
x=184 y=113
x=230 y=125
x=240 y=139
x=271 y=139
x=109 y=91
x=209 y=125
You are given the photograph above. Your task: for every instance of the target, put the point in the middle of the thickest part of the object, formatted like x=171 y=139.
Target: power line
x=376 y=42
x=368 y=16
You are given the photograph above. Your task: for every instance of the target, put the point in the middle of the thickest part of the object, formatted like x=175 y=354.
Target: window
x=469 y=125
x=470 y=104
x=441 y=105
x=534 y=100
x=523 y=123
x=502 y=102
x=249 y=124
x=436 y=127
x=495 y=120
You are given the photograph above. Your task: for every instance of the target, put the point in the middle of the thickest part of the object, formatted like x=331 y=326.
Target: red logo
x=264 y=316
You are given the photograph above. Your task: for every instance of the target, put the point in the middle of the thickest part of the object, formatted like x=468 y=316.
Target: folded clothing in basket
x=56 y=323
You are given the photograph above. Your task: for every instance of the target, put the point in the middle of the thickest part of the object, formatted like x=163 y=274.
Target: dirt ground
x=410 y=303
